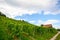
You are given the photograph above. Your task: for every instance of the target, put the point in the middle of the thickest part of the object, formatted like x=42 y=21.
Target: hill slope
x=11 y=29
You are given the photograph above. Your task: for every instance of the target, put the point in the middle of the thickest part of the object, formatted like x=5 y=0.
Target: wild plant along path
x=54 y=37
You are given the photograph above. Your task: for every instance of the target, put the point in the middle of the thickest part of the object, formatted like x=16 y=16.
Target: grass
x=58 y=37
x=11 y=29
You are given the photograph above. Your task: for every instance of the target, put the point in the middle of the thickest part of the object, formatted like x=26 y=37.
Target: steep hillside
x=11 y=29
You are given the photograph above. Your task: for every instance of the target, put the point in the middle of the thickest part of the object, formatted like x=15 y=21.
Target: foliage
x=58 y=37
x=58 y=29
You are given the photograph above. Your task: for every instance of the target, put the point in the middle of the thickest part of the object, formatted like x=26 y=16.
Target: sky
x=34 y=11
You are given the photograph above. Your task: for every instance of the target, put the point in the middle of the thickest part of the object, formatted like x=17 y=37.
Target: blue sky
x=34 y=11
x=35 y=18
x=38 y=16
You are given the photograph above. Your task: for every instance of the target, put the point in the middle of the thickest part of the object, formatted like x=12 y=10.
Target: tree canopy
x=1 y=14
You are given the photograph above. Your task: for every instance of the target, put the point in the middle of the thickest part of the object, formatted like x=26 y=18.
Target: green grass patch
x=58 y=37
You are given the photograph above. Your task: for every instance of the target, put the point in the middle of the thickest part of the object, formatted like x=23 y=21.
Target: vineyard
x=11 y=29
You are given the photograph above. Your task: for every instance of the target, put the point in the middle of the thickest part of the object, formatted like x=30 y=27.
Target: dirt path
x=54 y=37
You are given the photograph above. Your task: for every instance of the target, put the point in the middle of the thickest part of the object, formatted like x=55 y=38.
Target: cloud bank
x=14 y=8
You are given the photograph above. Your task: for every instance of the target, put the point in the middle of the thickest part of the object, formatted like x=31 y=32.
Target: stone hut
x=47 y=25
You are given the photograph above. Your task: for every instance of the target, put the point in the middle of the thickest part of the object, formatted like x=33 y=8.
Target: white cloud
x=51 y=21
x=38 y=22
x=37 y=4
x=52 y=12
x=57 y=26
x=14 y=11
x=14 y=8
x=32 y=21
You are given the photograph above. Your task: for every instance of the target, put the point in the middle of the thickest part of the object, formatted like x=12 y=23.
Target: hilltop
x=11 y=29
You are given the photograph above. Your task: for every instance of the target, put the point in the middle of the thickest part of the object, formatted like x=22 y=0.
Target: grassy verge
x=58 y=37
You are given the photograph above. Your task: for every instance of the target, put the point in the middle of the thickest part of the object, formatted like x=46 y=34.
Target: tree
x=1 y=14
x=41 y=25
x=58 y=29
